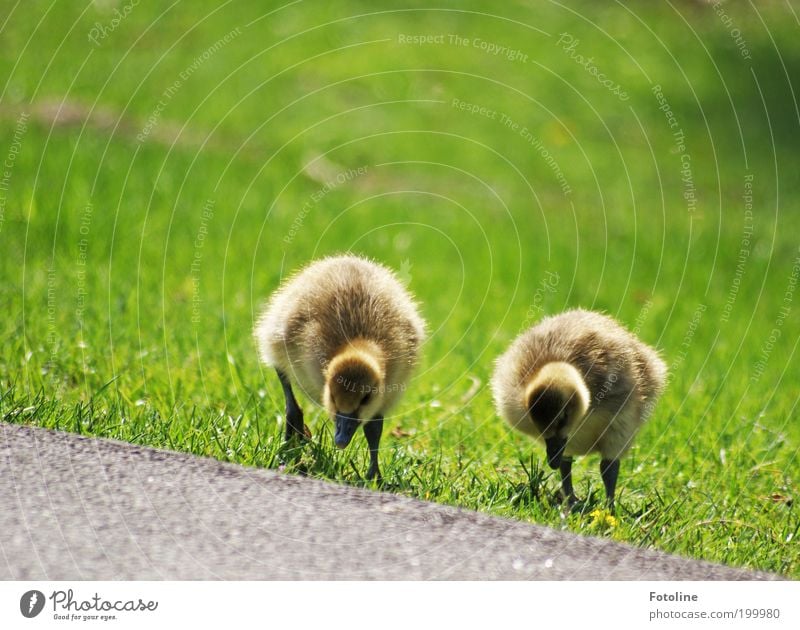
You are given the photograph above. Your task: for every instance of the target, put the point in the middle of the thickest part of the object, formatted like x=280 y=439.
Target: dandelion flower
x=603 y=517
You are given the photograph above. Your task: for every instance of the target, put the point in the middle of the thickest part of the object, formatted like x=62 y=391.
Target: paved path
x=79 y=508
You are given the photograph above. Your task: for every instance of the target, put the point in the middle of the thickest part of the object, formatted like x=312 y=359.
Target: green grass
x=131 y=272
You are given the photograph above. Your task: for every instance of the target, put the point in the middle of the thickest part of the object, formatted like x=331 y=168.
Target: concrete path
x=79 y=508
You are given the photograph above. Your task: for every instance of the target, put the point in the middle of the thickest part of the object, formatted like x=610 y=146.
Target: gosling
x=580 y=383
x=347 y=332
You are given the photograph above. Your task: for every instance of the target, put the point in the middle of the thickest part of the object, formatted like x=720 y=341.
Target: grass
x=132 y=269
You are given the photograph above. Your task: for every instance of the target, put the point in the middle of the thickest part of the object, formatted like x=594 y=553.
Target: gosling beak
x=345 y=429
x=555 y=449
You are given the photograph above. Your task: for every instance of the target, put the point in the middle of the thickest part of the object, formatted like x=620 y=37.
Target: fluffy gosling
x=580 y=383
x=347 y=332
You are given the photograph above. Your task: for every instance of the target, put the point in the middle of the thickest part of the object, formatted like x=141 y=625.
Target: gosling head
x=354 y=388
x=557 y=400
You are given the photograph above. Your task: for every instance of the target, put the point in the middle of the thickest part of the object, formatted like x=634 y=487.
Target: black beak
x=345 y=429
x=555 y=449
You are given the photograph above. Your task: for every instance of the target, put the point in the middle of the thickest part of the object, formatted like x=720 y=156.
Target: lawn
x=165 y=167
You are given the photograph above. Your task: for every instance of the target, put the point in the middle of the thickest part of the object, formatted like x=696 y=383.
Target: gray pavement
x=74 y=508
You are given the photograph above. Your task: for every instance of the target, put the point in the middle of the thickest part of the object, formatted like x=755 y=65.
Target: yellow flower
x=603 y=517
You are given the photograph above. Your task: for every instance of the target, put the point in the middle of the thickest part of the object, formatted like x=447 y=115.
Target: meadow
x=165 y=166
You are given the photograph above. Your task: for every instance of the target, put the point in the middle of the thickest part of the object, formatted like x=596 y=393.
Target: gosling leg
x=609 y=470
x=372 y=431
x=294 y=415
x=567 y=491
